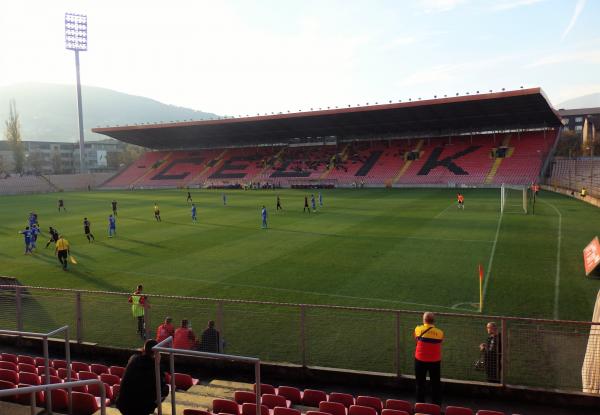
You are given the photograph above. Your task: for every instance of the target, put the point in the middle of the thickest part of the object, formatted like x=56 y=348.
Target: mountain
x=585 y=101
x=48 y=112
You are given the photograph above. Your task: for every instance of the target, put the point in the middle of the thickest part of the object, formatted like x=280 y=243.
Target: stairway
x=220 y=160
x=408 y=163
x=489 y=178
x=52 y=185
x=150 y=170
x=344 y=157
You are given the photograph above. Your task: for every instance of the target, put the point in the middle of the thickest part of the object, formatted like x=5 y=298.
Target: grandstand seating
x=274 y=400
x=576 y=173
x=24 y=184
x=463 y=160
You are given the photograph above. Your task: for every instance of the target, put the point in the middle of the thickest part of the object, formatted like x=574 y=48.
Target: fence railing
x=45 y=337
x=535 y=352
x=162 y=348
x=32 y=390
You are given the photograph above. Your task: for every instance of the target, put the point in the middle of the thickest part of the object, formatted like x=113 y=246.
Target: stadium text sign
x=591 y=256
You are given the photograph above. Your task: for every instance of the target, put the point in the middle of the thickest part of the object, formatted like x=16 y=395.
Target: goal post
x=514 y=199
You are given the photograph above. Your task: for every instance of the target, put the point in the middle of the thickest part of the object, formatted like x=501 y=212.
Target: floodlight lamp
x=75 y=32
x=503 y=89
x=521 y=86
x=477 y=92
x=435 y=96
x=410 y=99
x=490 y=90
x=390 y=101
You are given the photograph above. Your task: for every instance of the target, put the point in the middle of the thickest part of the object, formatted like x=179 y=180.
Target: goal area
x=514 y=199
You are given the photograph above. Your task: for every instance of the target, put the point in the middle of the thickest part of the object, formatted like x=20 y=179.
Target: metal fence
x=536 y=353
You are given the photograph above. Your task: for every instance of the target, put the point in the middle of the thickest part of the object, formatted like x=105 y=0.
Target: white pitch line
x=491 y=261
x=443 y=211
x=558 y=244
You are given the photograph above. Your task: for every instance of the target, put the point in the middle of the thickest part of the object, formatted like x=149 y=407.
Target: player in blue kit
x=194 y=219
x=263 y=214
x=35 y=231
x=224 y=199
x=320 y=199
x=112 y=225
x=312 y=202
x=27 y=239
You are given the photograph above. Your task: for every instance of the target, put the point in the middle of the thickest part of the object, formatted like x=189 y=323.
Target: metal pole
x=397 y=354
x=32 y=403
x=47 y=373
x=79 y=317
x=147 y=333
x=158 y=385
x=172 y=369
x=257 y=383
x=82 y=167
x=503 y=351
x=303 y=335
x=220 y=317
x=68 y=358
x=19 y=306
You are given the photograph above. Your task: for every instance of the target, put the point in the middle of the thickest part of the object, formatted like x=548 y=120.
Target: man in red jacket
x=184 y=337
x=165 y=330
x=428 y=358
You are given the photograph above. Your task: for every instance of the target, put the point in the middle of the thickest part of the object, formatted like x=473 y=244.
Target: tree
x=130 y=154
x=13 y=136
x=36 y=161
x=56 y=163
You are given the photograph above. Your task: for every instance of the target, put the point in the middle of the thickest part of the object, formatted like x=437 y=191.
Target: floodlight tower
x=76 y=40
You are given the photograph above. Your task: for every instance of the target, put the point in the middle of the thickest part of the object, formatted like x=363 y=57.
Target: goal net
x=514 y=199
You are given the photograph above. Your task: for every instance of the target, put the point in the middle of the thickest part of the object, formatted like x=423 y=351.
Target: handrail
x=185 y=352
x=44 y=337
x=34 y=389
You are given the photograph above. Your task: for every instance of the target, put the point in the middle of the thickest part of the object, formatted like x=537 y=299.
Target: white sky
x=246 y=57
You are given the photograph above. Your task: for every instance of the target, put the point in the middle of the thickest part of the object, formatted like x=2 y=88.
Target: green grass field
x=390 y=249
x=402 y=249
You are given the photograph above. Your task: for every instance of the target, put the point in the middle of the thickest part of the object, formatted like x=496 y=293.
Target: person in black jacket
x=492 y=353
x=210 y=341
x=138 y=385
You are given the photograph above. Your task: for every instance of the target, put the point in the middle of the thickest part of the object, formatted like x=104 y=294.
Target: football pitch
x=398 y=249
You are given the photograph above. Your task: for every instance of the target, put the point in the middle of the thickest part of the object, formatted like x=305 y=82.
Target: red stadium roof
x=520 y=109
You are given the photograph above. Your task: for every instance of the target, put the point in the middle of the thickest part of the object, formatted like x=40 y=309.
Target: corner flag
x=73 y=260
x=480 y=288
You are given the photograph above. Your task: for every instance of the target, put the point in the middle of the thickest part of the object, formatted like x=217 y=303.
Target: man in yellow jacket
x=428 y=358
x=62 y=251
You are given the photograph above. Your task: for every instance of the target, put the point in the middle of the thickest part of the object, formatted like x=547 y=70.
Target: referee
x=62 y=251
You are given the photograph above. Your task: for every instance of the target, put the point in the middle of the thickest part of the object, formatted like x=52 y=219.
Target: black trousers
x=421 y=370
x=62 y=258
x=141 y=327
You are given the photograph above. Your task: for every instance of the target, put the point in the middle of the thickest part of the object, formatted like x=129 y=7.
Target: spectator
x=492 y=353
x=138 y=301
x=184 y=337
x=428 y=357
x=165 y=330
x=138 y=385
x=210 y=340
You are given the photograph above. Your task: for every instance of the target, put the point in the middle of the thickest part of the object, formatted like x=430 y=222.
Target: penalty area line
x=558 y=244
x=491 y=260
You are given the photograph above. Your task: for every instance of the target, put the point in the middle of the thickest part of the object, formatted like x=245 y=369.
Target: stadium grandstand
x=302 y=365
x=472 y=140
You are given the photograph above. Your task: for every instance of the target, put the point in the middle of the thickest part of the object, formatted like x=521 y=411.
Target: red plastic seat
x=333 y=408
x=57 y=363
x=316 y=413
x=110 y=379
x=80 y=367
x=280 y=410
x=29 y=378
x=458 y=410
x=488 y=412
x=117 y=371
x=361 y=410
x=190 y=411
x=59 y=399
x=9 y=376
x=265 y=388
x=41 y=370
x=53 y=379
x=242 y=397
x=84 y=403
x=87 y=375
x=250 y=409
x=291 y=394
x=98 y=368
x=271 y=401
x=370 y=401
x=9 y=366
x=344 y=398
x=40 y=361
x=313 y=397
x=26 y=367
x=225 y=406
x=115 y=390
x=26 y=359
x=4 y=384
x=184 y=381
x=399 y=405
x=95 y=390
x=9 y=357
x=62 y=373
x=25 y=398
x=394 y=412
x=428 y=408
